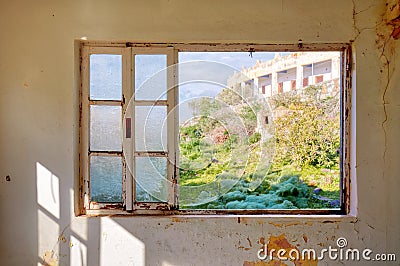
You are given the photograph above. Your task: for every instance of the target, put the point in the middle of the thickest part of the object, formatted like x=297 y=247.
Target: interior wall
x=38 y=125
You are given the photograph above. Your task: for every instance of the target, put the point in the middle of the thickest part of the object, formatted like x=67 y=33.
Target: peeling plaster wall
x=38 y=126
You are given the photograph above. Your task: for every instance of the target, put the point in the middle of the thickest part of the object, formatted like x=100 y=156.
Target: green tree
x=309 y=132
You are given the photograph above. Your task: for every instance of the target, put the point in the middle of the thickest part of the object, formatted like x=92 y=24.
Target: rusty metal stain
x=330 y=222
x=280 y=242
x=179 y=220
x=243 y=248
x=305 y=238
x=292 y=224
x=248 y=239
x=144 y=205
x=396 y=33
x=275 y=224
x=284 y=224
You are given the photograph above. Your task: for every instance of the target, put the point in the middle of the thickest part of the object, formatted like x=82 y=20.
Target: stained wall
x=38 y=115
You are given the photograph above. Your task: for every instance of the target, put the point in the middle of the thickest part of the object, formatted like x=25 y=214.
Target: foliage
x=255 y=137
x=307 y=143
x=249 y=118
x=229 y=97
x=286 y=193
x=309 y=133
x=204 y=106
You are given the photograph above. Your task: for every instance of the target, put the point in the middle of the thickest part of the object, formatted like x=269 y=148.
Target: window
x=319 y=79
x=280 y=87
x=176 y=129
x=305 y=82
x=293 y=85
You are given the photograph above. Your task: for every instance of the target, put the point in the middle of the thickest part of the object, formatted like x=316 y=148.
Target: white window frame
x=128 y=50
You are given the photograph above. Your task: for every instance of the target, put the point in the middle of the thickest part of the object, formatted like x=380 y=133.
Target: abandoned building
x=47 y=216
x=289 y=72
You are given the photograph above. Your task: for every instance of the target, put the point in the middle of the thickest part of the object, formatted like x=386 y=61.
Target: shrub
x=309 y=134
x=229 y=97
x=255 y=137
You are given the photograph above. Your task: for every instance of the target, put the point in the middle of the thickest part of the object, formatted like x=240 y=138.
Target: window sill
x=323 y=214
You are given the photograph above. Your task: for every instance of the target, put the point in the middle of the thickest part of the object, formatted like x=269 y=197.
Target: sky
x=235 y=59
x=207 y=77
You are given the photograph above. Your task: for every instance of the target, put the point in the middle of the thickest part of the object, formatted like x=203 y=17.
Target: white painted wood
x=84 y=130
x=127 y=93
x=87 y=51
x=171 y=124
x=172 y=152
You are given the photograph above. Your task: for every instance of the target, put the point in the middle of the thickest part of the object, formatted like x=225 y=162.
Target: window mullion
x=127 y=92
x=172 y=125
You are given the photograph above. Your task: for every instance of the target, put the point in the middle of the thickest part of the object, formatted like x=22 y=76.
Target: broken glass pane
x=151 y=182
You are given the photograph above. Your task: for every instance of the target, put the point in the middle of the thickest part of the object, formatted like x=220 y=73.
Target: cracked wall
x=39 y=123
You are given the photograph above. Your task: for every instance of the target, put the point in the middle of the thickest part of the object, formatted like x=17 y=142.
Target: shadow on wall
x=62 y=239
x=78 y=240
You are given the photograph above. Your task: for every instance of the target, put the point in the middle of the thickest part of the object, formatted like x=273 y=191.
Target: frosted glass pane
x=106 y=179
x=105 y=128
x=151 y=128
x=151 y=182
x=105 y=77
x=150 y=77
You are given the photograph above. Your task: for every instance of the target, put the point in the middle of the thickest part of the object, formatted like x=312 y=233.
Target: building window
x=319 y=79
x=175 y=129
x=280 y=87
x=305 y=82
x=293 y=85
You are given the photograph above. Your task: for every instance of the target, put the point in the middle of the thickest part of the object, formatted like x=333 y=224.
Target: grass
x=212 y=177
x=221 y=170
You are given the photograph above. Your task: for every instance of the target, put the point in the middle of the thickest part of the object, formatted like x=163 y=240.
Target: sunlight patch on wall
x=48 y=193
x=78 y=252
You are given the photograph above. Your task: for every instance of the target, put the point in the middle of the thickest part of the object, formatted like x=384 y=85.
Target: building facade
x=288 y=73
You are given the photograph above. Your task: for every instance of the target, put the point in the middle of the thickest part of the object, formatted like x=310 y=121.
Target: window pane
x=151 y=128
x=265 y=137
x=150 y=77
x=105 y=77
x=151 y=182
x=105 y=128
x=106 y=179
